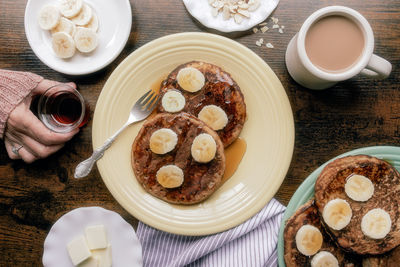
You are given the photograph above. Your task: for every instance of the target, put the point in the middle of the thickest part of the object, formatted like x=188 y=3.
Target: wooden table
x=353 y=114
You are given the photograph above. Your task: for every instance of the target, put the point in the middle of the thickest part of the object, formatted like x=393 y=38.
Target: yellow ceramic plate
x=268 y=131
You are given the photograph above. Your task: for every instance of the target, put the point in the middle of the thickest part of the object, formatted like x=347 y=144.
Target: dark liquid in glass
x=63 y=107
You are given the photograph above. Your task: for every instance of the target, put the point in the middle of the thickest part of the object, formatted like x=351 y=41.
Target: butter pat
x=104 y=255
x=78 y=250
x=96 y=236
x=91 y=262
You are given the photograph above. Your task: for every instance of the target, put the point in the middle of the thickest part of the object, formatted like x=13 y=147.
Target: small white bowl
x=115 y=21
x=201 y=11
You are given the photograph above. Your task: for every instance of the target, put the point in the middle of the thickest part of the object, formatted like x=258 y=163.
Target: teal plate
x=391 y=154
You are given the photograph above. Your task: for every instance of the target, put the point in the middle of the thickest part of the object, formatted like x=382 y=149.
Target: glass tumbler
x=62 y=108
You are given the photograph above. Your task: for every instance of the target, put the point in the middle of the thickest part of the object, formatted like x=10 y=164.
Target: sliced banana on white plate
x=70 y=8
x=324 y=259
x=63 y=45
x=173 y=101
x=93 y=23
x=203 y=148
x=85 y=39
x=337 y=214
x=190 y=79
x=170 y=176
x=376 y=224
x=308 y=240
x=83 y=17
x=163 y=141
x=213 y=116
x=49 y=17
x=65 y=25
x=359 y=187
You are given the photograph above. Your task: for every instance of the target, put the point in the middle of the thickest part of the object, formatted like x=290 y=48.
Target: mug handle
x=377 y=68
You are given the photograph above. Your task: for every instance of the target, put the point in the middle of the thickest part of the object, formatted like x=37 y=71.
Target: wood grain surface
x=356 y=113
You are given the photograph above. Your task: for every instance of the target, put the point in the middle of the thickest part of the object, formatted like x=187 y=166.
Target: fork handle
x=84 y=168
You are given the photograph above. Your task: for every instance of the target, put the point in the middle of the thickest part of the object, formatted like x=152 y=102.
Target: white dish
x=201 y=10
x=125 y=246
x=115 y=20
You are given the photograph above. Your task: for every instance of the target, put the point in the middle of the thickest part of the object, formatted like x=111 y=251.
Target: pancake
x=390 y=259
x=386 y=181
x=220 y=89
x=308 y=214
x=200 y=179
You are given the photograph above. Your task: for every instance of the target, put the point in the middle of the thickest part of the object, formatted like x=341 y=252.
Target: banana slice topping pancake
x=170 y=176
x=173 y=101
x=337 y=214
x=203 y=148
x=163 y=141
x=376 y=223
x=324 y=259
x=214 y=116
x=190 y=79
x=308 y=240
x=359 y=188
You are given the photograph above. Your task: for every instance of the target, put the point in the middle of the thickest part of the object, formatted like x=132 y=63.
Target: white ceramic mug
x=304 y=72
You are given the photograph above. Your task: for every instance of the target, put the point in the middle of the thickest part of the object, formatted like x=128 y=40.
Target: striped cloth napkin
x=252 y=243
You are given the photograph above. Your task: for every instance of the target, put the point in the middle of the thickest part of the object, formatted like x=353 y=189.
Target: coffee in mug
x=334 y=44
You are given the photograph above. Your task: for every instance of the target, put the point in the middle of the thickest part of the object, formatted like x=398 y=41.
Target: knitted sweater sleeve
x=14 y=87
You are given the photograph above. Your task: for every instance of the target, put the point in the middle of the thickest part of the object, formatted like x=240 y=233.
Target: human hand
x=26 y=137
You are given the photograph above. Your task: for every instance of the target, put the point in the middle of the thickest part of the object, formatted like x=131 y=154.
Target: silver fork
x=141 y=110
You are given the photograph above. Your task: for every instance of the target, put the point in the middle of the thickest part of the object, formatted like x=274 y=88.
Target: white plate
x=115 y=20
x=125 y=246
x=201 y=10
x=268 y=132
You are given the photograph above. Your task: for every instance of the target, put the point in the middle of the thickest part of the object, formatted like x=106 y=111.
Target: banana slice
x=190 y=79
x=337 y=214
x=85 y=39
x=214 y=116
x=93 y=23
x=170 y=176
x=63 y=45
x=49 y=16
x=359 y=188
x=308 y=240
x=65 y=25
x=163 y=141
x=203 y=148
x=70 y=8
x=324 y=259
x=83 y=17
x=173 y=101
x=376 y=224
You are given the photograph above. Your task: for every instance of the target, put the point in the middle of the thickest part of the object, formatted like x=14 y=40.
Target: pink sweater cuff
x=14 y=87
